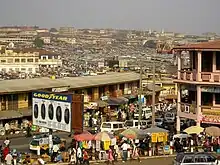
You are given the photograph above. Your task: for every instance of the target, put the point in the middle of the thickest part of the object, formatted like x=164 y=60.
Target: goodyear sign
x=52 y=96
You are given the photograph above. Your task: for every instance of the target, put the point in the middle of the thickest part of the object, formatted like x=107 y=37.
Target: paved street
x=151 y=161
x=22 y=143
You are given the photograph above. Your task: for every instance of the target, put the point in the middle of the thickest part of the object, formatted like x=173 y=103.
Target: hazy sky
x=189 y=16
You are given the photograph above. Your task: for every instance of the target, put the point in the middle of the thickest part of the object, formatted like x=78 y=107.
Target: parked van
x=134 y=124
x=112 y=126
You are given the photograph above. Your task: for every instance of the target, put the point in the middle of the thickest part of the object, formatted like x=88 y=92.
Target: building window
x=10 y=60
x=36 y=59
x=3 y=61
x=17 y=60
x=217 y=98
x=17 y=69
x=44 y=58
x=217 y=60
x=23 y=69
x=30 y=60
x=30 y=69
x=23 y=60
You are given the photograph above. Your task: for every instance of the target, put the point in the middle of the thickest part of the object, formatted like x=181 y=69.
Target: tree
x=39 y=43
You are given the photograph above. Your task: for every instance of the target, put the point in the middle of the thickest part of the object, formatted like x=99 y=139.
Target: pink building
x=199 y=84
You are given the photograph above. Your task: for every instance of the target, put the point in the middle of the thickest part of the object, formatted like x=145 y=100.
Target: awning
x=101 y=103
x=10 y=115
x=26 y=112
x=117 y=101
x=130 y=96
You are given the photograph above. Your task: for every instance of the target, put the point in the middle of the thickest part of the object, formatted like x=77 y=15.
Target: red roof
x=203 y=45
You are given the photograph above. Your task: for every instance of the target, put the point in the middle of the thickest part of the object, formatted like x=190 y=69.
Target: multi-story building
x=67 y=30
x=199 y=85
x=49 y=59
x=19 y=60
x=27 y=60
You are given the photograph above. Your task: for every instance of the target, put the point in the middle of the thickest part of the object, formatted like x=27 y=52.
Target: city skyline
x=177 y=16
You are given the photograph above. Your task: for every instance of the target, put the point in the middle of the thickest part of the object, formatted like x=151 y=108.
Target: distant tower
x=150 y=31
x=162 y=31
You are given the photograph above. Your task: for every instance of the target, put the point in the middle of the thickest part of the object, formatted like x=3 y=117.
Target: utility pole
x=153 y=94
x=140 y=99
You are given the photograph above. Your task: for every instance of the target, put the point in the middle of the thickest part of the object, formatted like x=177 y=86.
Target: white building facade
x=14 y=61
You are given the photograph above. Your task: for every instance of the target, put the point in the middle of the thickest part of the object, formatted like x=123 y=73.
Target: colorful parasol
x=133 y=133
x=213 y=131
x=85 y=136
x=194 y=130
x=102 y=136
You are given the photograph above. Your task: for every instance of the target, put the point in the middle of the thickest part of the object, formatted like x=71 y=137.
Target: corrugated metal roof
x=215 y=45
x=19 y=85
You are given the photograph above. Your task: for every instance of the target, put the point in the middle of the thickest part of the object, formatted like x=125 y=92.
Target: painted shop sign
x=211 y=119
x=211 y=89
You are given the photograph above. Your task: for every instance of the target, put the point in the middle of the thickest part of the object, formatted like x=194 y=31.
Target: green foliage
x=39 y=43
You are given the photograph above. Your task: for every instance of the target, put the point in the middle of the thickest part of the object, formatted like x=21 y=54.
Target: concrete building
x=199 y=85
x=19 y=61
x=16 y=95
x=67 y=30
x=49 y=59
x=27 y=60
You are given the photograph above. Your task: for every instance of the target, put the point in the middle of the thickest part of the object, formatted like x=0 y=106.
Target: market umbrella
x=85 y=136
x=213 y=131
x=155 y=130
x=133 y=133
x=102 y=136
x=194 y=130
x=118 y=132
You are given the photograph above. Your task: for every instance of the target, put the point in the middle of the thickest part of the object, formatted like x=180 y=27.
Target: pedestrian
x=85 y=157
x=55 y=152
x=7 y=142
x=110 y=156
x=5 y=152
x=28 y=131
x=135 y=153
x=79 y=156
x=8 y=159
x=73 y=156
x=124 y=148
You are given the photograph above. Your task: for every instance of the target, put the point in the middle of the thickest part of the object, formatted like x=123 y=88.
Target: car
x=159 y=122
x=146 y=113
x=169 y=117
x=134 y=124
x=43 y=140
x=112 y=126
x=199 y=158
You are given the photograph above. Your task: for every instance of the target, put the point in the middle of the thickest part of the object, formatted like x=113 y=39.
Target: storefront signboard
x=211 y=89
x=154 y=137
x=214 y=119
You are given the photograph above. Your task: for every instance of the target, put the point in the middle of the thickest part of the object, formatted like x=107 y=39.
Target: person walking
x=79 y=156
x=85 y=157
x=110 y=156
x=124 y=148
x=135 y=153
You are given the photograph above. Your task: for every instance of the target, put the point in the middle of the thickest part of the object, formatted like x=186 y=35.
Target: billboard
x=55 y=111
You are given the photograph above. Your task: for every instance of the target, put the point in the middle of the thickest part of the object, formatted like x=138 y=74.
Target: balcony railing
x=201 y=77
x=187 y=111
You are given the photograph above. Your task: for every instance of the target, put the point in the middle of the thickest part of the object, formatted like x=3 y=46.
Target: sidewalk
x=102 y=161
x=14 y=136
